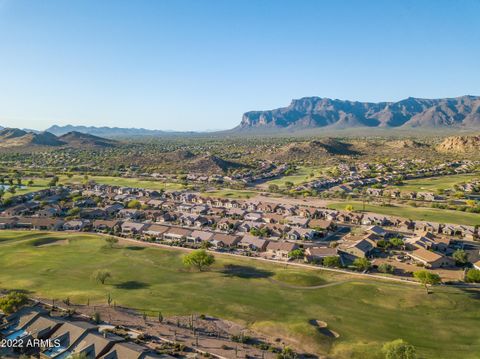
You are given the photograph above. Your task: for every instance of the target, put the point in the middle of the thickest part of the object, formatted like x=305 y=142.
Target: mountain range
x=112 y=131
x=459 y=113
x=312 y=112
x=14 y=138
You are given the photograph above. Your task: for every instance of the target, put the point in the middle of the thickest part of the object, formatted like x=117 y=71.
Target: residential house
x=316 y=254
x=253 y=243
x=430 y=259
x=177 y=234
x=222 y=240
x=155 y=231
x=280 y=249
x=360 y=249
x=298 y=233
x=129 y=227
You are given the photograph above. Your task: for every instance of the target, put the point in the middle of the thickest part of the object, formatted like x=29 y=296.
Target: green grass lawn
x=415 y=213
x=38 y=184
x=127 y=182
x=301 y=175
x=230 y=193
x=444 y=324
x=435 y=183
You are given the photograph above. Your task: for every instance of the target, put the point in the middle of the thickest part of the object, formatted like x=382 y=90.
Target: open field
x=364 y=313
x=127 y=182
x=415 y=213
x=301 y=175
x=230 y=193
x=435 y=183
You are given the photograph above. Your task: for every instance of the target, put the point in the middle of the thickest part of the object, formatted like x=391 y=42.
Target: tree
x=362 y=264
x=101 y=276
x=331 y=261
x=473 y=276
x=399 y=349
x=12 y=302
x=427 y=278
x=111 y=241
x=199 y=259
x=289 y=185
x=273 y=187
x=53 y=182
x=386 y=268
x=296 y=254
x=205 y=244
x=396 y=242
x=134 y=204
x=349 y=208
x=461 y=257
x=471 y=202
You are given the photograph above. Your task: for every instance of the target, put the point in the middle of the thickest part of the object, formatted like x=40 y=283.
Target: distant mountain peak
x=20 y=139
x=312 y=112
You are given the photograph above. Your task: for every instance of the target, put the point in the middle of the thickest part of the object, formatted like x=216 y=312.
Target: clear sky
x=199 y=64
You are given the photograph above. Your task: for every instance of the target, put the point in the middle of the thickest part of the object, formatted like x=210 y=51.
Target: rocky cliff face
x=460 y=144
x=310 y=112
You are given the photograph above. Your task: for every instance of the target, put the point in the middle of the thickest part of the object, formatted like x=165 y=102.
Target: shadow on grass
x=132 y=284
x=233 y=270
x=134 y=248
x=473 y=293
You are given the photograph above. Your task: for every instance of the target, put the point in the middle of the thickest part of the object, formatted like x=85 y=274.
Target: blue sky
x=198 y=65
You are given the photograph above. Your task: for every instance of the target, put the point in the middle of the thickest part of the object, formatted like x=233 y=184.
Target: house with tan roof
x=176 y=234
x=316 y=254
x=280 y=249
x=155 y=231
x=253 y=243
x=223 y=240
x=430 y=259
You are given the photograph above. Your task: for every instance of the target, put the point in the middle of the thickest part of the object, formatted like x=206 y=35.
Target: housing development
x=274 y=179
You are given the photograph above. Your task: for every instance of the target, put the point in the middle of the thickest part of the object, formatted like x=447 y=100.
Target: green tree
x=461 y=257
x=199 y=259
x=331 y=261
x=111 y=241
x=101 y=276
x=73 y=211
x=134 y=204
x=427 y=278
x=362 y=264
x=289 y=185
x=53 y=182
x=12 y=302
x=473 y=276
x=386 y=268
x=273 y=187
x=296 y=254
x=396 y=242
x=399 y=349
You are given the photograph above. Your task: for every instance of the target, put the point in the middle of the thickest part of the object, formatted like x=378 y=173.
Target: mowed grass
x=230 y=193
x=125 y=182
x=415 y=213
x=38 y=184
x=436 y=183
x=301 y=175
x=365 y=313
